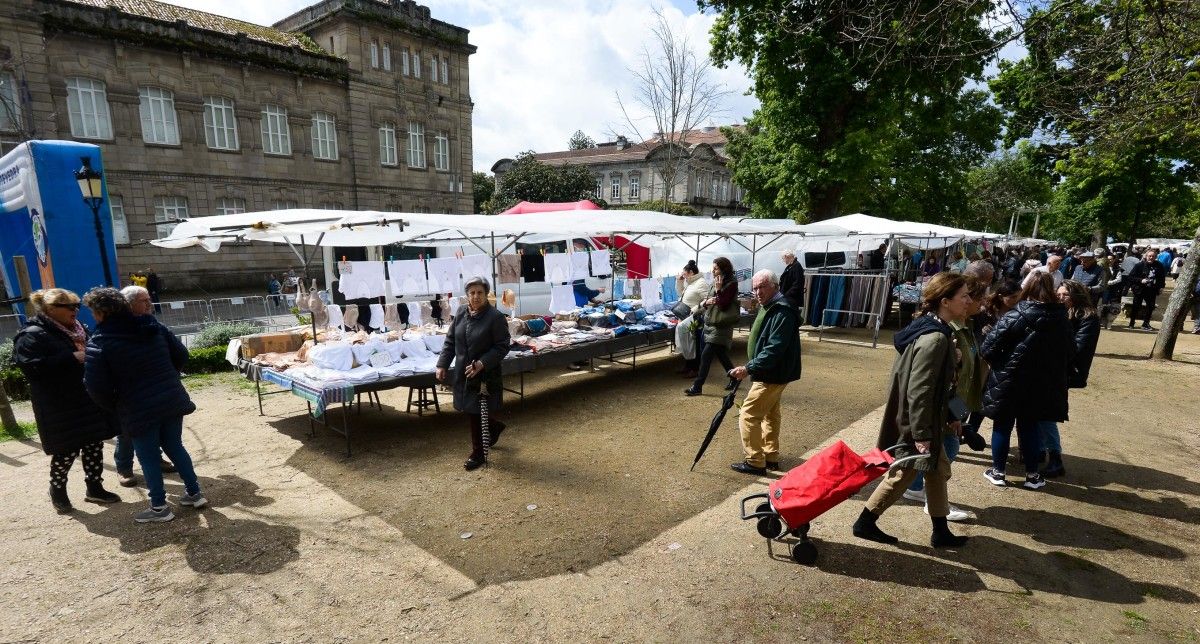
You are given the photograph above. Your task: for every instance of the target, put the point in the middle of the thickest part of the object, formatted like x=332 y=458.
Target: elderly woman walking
x=132 y=369
x=476 y=342
x=916 y=417
x=49 y=350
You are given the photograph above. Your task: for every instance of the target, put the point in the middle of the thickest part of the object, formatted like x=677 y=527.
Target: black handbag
x=957 y=407
x=681 y=310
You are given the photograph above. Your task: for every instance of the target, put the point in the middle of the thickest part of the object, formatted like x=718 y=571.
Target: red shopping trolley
x=807 y=491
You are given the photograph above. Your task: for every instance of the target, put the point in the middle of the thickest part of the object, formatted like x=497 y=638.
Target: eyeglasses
x=73 y=307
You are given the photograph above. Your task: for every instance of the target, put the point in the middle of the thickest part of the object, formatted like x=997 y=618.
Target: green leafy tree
x=483 y=185
x=1012 y=183
x=862 y=105
x=580 y=141
x=532 y=180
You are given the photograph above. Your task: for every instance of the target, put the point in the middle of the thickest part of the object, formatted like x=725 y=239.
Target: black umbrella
x=726 y=403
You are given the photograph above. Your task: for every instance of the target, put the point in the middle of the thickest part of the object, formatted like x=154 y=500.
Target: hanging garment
x=669 y=294
x=558 y=268
x=335 y=316
x=377 y=320
x=509 y=270
x=618 y=289
x=579 y=265
x=426 y=309
x=414 y=314
x=391 y=316
x=533 y=267
x=444 y=275
x=562 y=298
x=408 y=277
x=651 y=294
x=477 y=266
x=317 y=310
x=601 y=263
x=350 y=319
x=361 y=279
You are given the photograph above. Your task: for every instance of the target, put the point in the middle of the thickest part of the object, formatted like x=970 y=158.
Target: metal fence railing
x=184 y=316
x=9 y=325
x=229 y=309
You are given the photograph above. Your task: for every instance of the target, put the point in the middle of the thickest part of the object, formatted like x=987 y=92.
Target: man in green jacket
x=774 y=353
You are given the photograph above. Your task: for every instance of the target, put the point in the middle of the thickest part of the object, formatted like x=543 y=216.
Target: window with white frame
x=416 y=145
x=635 y=187
x=330 y=205
x=284 y=204
x=157 y=109
x=168 y=211
x=276 y=137
x=441 y=152
x=220 y=123
x=387 y=144
x=404 y=61
x=433 y=67
x=374 y=54
x=445 y=70
x=120 y=225
x=324 y=136
x=87 y=109
x=615 y=191
x=387 y=57
x=10 y=106
x=599 y=188
x=230 y=206
x=416 y=63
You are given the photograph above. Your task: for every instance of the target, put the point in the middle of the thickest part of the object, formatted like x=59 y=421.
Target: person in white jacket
x=691 y=288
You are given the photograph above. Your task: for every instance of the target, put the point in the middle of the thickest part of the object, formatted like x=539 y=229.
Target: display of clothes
x=843 y=299
x=601 y=263
x=361 y=279
x=444 y=275
x=669 y=292
x=509 y=269
x=414 y=313
x=377 y=321
x=533 y=267
x=407 y=277
x=618 y=289
x=558 y=268
x=477 y=266
x=651 y=293
x=562 y=298
x=580 y=265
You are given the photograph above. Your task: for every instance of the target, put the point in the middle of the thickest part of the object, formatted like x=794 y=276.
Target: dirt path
x=302 y=544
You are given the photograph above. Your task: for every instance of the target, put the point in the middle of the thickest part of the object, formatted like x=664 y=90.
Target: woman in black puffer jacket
x=132 y=369
x=1029 y=351
x=49 y=351
x=1085 y=327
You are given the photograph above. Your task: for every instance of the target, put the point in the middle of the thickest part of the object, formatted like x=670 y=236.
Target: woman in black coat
x=50 y=351
x=132 y=369
x=1029 y=351
x=1085 y=327
x=477 y=341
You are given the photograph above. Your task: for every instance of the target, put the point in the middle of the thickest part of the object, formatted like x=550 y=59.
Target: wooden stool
x=426 y=397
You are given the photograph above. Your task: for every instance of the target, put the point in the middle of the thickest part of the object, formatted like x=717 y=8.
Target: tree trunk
x=1172 y=322
x=8 y=420
x=826 y=201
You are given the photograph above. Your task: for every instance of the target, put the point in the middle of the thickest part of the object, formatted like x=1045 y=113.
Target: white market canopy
x=911 y=233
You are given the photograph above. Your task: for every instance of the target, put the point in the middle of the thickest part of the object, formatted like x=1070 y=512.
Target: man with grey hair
x=791 y=283
x=981 y=270
x=139 y=304
x=774 y=353
x=139 y=299
x=1053 y=262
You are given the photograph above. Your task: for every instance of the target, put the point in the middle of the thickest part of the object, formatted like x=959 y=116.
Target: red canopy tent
x=637 y=257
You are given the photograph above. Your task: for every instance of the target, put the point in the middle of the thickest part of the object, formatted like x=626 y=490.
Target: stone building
x=628 y=173
x=346 y=104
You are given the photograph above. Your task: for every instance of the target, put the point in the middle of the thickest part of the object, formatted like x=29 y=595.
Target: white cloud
x=544 y=67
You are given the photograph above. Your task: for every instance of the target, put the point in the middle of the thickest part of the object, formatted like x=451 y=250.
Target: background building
x=347 y=104
x=631 y=173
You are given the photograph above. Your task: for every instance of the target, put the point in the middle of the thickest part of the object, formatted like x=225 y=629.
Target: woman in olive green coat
x=721 y=313
x=922 y=382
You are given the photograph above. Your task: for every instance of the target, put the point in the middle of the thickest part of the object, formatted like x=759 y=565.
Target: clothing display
x=618 y=289
x=562 y=298
x=509 y=269
x=414 y=313
x=580 y=265
x=444 y=275
x=350 y=317
x=335 y=316
x=361 y=279
x=601 y=263
x=533 y=267
x=377 y=320
x=477 y=266
x=408 y=277
x=558 y=268
x=844 y=299
x=651 y=293
x=391 y=316
x=670 y=294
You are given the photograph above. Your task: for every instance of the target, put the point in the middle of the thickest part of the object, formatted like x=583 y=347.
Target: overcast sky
x=544 y=68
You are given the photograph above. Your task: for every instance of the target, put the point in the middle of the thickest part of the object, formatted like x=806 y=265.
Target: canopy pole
x=612 y=277
x=495 y=270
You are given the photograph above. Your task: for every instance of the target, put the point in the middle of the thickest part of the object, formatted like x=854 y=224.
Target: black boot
x=942 y=537
x=865 y=528
x=1054 y=468
x=97 y=494
x=62 y=503
x=497 y=428
x=476 y=459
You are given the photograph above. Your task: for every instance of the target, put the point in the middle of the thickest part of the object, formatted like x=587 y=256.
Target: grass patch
x=1133 y=620
x=230 y=379
x=24 y=430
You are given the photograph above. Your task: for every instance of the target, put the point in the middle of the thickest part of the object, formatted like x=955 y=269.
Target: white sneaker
x=915 y=495
x=956 y=514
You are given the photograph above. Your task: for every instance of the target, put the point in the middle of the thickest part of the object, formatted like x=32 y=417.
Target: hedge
x=209 y=360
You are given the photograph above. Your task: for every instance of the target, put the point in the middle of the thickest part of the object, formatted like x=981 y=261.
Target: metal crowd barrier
x=185 y=316
x=229 y=309
x=9 y=325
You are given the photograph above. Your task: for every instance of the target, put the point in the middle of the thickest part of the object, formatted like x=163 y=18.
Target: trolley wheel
x=763 y=507
x=770 y=527
x=804 y=553
x=801 y=532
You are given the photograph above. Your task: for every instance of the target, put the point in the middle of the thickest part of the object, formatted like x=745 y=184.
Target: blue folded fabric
x=624 y=306
x=620 y=331
x=537 y=326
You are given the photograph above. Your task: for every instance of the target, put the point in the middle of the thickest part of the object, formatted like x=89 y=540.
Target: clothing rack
x=863 y=304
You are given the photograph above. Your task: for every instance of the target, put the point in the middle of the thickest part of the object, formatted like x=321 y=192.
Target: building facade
x=689 y=169
x=346 y=104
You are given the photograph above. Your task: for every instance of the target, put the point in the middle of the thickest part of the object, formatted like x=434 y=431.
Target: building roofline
x=404 y=15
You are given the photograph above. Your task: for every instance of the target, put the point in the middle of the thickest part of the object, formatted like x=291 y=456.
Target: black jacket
x=791 y=284
x=1087 y=333
x=1030 y=351
x=483 y=337
x=132 y=368
x=1152 y=272
x=67 y=418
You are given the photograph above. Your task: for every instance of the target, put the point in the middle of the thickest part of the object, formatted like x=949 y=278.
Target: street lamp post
x=91 y=186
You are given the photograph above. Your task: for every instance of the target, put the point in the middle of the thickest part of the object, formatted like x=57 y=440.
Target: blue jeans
x=123 y=456
x=1027 y=435
x=1048 y=432
x=950 y=445
x=167 y=436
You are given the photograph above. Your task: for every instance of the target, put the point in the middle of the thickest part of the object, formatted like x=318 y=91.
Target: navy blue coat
x=67 y=419
x=1030 y=351
x=132 y=368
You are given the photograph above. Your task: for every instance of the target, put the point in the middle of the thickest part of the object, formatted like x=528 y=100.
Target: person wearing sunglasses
x=49 y=350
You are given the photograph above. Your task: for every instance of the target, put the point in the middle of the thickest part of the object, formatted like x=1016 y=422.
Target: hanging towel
x=558 y=268
x=533 y=267
x=444 y=275
x=335 y=316
x=414 y=314
x=364 y=279
x=618 y=289
x=510 y=269
x=651 y=294
x=408 y=277
x=669 y=294
x=601 y=263
x=377 y=320
x=562 y=298
x=477 y=266
x=579 y=265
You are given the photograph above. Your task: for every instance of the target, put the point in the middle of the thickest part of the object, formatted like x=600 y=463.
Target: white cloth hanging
x=651 y=294
x=562 y=298
x=364 y=279
x=414 y=314
x=335 y=316
x=579 y=265
x=558 y=268
x=377 y=318
x=444 y=275
x=477 y=266
x=408 y=277
x=601 y=263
